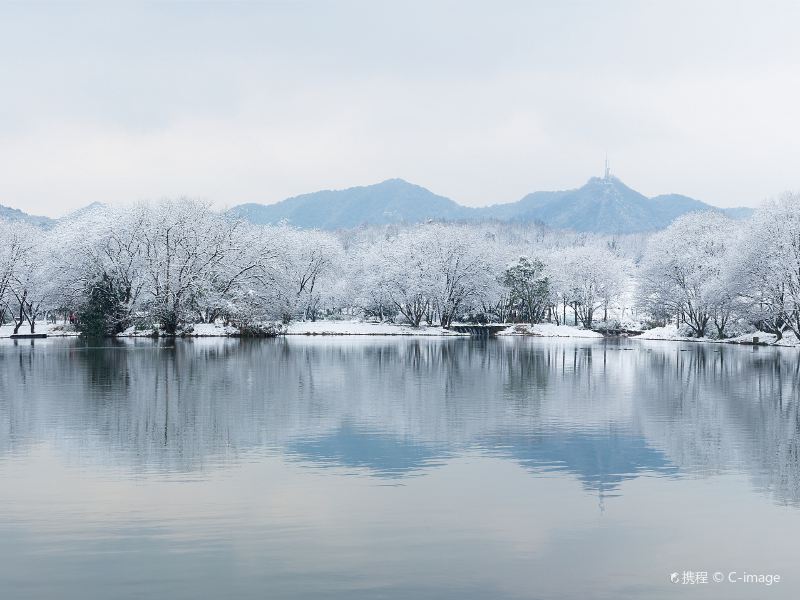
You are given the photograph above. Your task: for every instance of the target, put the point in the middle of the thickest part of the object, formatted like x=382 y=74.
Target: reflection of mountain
x=385 y=455
x=393 y=407
x=600 y=460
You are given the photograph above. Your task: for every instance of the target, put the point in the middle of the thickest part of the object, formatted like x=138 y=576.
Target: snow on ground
x=550 y=330
x=210 y=330
x=789 y=339
x=354 y=327
x=363 y=328
x=133 y=332
x=57 y=330
x=671 y=332
x=307 y=328
x=196 y=330
x=763 y=338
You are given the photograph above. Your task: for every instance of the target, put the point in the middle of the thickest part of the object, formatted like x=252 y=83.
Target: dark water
x=385 y=468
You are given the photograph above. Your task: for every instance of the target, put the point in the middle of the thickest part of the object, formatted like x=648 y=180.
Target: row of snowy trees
x=719 y=276
x=176 y=263
x=167 y=264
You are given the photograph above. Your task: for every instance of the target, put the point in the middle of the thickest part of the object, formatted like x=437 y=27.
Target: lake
x=397 y=468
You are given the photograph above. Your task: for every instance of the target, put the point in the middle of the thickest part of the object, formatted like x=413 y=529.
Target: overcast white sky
x=481 y=102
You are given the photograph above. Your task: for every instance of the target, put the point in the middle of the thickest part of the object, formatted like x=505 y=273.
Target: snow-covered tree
x=588 y=279
x=12 y=247
x=462 y=268
x=396 y=271
x=682 y=271
x=191 y=258
x=36 y=275
x=301 y=272
x=767 y=266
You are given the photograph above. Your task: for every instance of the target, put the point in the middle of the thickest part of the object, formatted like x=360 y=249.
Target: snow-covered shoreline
x=304 y=328
x=329 y=328
x=549 y=330
x=52 y=330
x=366 y=328
x=669 y=333
x=193 y=331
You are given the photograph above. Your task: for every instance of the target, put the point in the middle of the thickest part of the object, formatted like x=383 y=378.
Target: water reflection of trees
x=712 y=408
x=603 y=411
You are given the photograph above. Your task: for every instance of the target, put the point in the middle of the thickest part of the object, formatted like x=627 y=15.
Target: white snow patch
x=210 y=330
x=52 y=330
x=668 y=332
x=789 y=339
x=363 y=328
x=195 y=330
x=133 y=332
x=550 y=330
x=671 y=332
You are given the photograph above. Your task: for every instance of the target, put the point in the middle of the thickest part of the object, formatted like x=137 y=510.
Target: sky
x=482 y=102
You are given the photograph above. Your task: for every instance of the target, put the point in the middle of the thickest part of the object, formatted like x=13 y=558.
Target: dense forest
x=168 y=265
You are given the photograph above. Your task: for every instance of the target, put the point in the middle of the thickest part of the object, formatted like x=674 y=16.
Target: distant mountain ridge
x=602 y=205
x=14 y=214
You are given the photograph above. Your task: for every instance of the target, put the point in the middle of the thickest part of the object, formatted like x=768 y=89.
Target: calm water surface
x=396 y=468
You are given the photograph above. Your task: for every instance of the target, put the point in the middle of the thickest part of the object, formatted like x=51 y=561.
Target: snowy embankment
x=308 y=328
x=353 y=327
x=363 y=328
x=57 y=330
x=197 y=330
x=672 y=333
x=549 y=330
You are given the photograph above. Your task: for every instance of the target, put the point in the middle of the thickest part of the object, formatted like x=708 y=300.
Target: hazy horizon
x=238 y=102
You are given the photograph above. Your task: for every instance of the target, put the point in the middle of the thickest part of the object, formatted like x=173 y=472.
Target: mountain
x=602 y=205
x=391 y=201
x=14 y=214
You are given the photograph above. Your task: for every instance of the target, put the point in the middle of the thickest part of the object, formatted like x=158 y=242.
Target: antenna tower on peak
x=608 y=170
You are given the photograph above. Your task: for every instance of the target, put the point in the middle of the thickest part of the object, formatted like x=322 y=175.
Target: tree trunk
x=19 y=321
